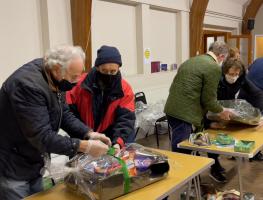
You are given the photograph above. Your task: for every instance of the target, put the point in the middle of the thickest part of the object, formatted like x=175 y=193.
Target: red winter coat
x=110 y=111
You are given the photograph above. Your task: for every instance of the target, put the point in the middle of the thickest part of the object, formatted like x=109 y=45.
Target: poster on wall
x=147 y=56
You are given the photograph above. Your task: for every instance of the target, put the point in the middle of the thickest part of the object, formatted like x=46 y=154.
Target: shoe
x=232 y=158
x=258 y=157
x=217 y=176
x=221 y=169
x=218 y=167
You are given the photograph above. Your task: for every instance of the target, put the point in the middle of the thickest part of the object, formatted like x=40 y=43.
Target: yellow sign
x=147 y=56
x=147 y=53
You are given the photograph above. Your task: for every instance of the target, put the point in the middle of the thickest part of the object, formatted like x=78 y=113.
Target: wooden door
x=244 y=44
x=211 y=36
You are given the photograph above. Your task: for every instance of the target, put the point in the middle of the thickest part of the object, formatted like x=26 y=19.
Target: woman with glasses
x=104 y=101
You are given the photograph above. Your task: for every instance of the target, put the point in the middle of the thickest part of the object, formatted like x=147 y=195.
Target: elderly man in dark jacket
x=32 y=111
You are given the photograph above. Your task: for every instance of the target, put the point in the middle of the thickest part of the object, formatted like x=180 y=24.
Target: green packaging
x=224 y=139
x=244 y=146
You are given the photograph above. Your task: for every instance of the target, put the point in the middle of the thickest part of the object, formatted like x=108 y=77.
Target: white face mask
x=231 y=79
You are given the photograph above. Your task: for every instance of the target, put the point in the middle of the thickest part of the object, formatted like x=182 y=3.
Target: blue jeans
x=15 y=190
x=181 y=131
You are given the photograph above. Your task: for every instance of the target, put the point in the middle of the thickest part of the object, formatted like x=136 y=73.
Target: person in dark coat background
x=32 y=111
x=103 y=100
x=255 y=75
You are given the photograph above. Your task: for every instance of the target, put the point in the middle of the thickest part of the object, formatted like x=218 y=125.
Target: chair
x=140 y=96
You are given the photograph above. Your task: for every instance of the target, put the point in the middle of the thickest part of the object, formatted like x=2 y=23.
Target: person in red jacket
x=103 y=100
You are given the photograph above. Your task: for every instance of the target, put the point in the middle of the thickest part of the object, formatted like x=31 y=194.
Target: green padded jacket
x=194 y=90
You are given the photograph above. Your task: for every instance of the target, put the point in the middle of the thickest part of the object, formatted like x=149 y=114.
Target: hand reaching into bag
x=226 y=114
x=94 y=148
x=99 y=136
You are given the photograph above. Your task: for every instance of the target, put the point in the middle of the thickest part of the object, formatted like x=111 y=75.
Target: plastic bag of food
x=244 y=112
x=111 y=176
x=200 y=139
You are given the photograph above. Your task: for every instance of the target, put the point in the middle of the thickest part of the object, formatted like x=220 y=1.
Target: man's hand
x=226 y=114
x=217 y=125
x=99 y=136
x=94 y=148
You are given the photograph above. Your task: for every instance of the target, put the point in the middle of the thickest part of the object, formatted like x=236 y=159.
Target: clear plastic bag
x=109 y=176
x=147 y=114
x=244 y=112
x=56 y=172
x=200 y=139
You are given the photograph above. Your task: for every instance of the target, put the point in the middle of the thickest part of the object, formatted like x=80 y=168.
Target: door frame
x=249 y=38
x=210 y=33
x=228 y=36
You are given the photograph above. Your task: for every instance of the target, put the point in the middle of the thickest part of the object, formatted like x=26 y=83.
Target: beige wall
x=110 y=27
x=146 y=28
x=32 y=26
x=28 y=28
x=59 y=21
x=163 y=36
x=151 y=24
x=224 y=15
x=226 y=7
x=155 y=86
x=21 y=37
x=258 y=22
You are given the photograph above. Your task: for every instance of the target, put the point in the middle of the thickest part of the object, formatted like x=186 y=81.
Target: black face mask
x=65 y=85
x=106 y=79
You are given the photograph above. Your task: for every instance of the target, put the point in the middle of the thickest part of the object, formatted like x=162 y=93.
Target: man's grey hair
x=63 y=55
x=219 y=48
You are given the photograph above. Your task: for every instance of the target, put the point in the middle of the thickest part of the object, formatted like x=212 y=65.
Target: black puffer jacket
x=30 y=117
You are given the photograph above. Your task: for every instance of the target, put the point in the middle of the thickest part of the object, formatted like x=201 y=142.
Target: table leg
x=239 y=163
x=197 y=182
x=196 y=188
x=188 y=190
x=199 y=187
